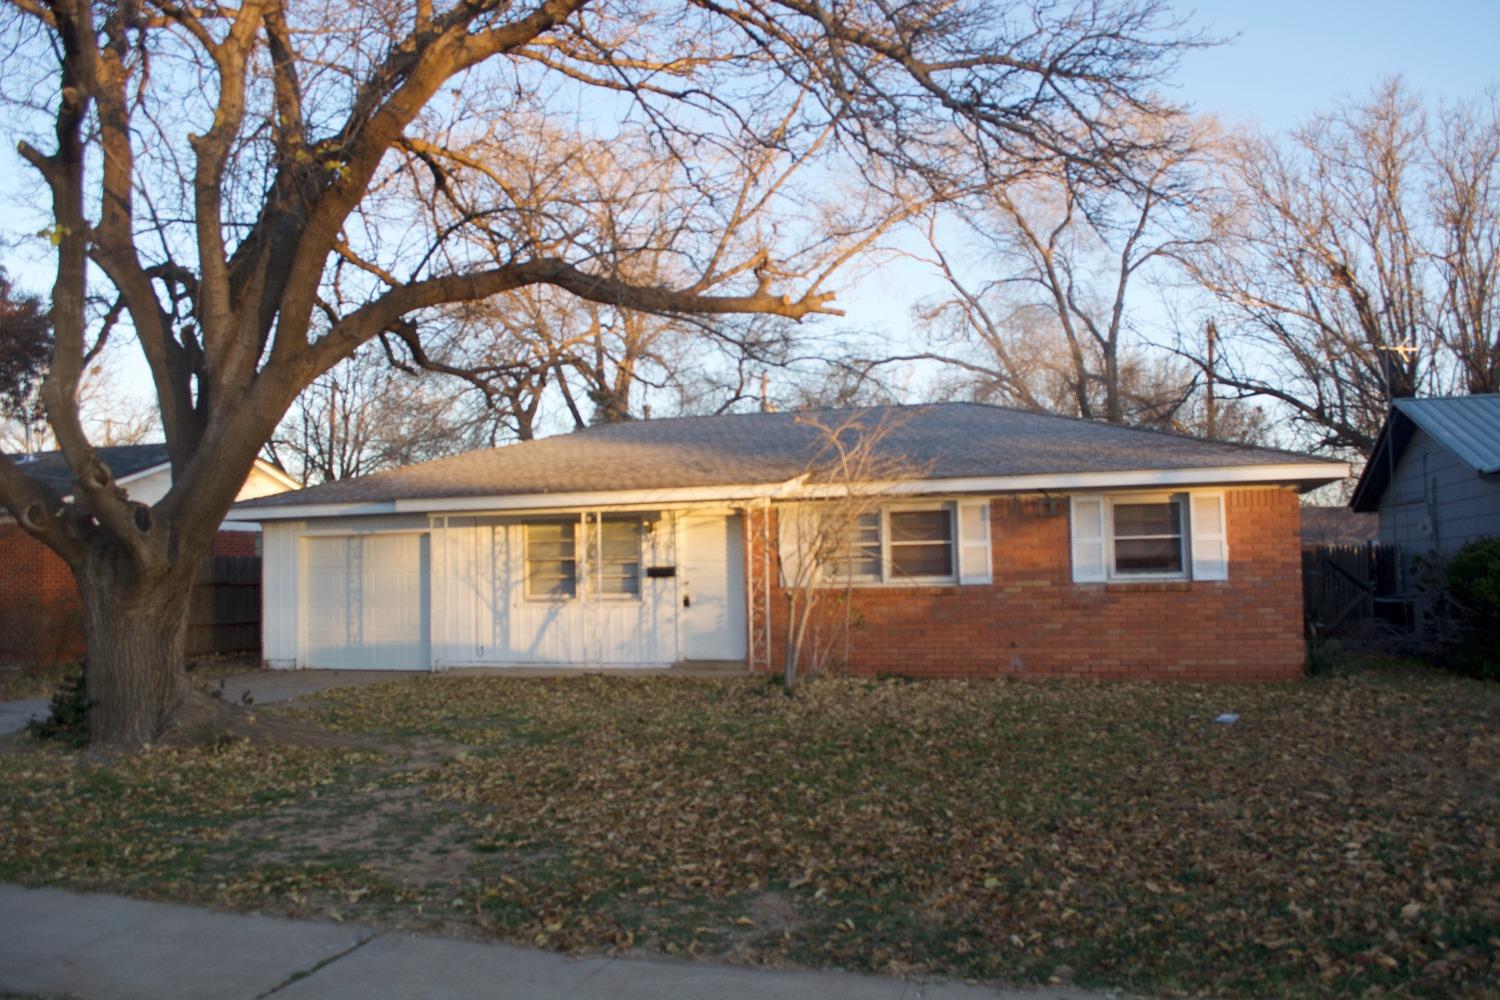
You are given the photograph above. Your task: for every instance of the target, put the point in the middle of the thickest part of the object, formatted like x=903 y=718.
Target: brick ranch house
x=1026 y=545
x=40 y=613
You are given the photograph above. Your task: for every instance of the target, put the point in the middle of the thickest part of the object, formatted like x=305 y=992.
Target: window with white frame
x=920 y=543
x=618 y=556
x=551 y=560
x=609 y=563
x=1147 y=536
x=898 y=543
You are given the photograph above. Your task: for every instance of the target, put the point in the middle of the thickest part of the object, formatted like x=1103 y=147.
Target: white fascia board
x=294 y=512
x=612 y=498
x=1299 y=472
x=281 y=477
x=1303 y=472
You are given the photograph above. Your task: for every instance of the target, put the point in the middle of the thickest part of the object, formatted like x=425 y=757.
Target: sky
x=1283 y=60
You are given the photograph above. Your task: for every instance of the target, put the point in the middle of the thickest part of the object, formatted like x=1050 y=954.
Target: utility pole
x=1407 y=350
x=1211 y=406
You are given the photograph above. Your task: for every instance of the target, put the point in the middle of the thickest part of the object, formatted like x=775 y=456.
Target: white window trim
x=1184 y=539
x=587 y=574
x=837 y=581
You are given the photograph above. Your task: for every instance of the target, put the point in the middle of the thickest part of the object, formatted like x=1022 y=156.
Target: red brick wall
x=1033 y=621
x=237 y=543
x=41 y=618
x=40 y=615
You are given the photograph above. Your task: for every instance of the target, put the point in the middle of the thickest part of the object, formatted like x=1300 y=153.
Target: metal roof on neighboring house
x=51 y=469
x=1467 y=426
x=951 y=441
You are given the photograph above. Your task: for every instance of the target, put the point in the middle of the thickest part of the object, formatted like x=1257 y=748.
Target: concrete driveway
x=264 y=687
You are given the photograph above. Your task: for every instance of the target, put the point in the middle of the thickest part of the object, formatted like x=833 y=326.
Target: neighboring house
x=1027 y=544
x=1434 y=476
x=40 y=615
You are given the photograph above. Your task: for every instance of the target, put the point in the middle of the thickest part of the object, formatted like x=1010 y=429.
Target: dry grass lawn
x=1342 y=838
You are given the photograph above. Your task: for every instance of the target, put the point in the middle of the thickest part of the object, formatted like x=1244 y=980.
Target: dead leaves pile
x=1342 y=838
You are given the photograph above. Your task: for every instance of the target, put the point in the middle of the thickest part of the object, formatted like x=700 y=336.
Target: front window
x=860 y=558
x=921 y=543
x=1148 y=537
x=551 y=560
x=897 y=544
x=619 y=572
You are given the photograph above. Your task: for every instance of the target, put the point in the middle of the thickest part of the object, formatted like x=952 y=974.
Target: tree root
x=201 y=719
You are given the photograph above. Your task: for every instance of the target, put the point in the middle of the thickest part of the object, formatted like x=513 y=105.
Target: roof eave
x=1304 y=475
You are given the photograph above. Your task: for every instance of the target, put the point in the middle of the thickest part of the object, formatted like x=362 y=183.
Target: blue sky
x=1283 y=61
x=1292 y=58
x=1286 y=59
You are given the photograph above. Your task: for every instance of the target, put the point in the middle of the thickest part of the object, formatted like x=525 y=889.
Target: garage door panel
x=369 y=600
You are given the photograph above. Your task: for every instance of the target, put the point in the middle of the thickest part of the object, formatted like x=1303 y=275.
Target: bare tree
x=823 y=541
x=364 y=415
x=1359 y=263
x=1464 y=201
x=1051 y=325
x=262 y=188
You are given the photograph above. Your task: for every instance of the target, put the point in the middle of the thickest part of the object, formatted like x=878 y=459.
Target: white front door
x=368 y=602
x=711 y=567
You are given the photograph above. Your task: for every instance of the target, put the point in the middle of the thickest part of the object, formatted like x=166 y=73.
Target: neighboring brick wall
x=41 y=618
x=236 y=543
x=1033 y=621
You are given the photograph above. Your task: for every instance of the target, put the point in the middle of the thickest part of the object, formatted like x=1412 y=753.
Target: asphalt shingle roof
x=939 y=441
x=51 y=469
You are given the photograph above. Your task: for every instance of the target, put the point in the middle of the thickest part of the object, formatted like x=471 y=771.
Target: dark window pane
x=1134 y=519
x=921 y=526
x=926 y=559
x=1148 y=555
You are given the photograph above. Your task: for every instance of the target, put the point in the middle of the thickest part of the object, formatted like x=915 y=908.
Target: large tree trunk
x=135 y=629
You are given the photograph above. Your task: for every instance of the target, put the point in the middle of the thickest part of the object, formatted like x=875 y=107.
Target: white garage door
x=368 y=603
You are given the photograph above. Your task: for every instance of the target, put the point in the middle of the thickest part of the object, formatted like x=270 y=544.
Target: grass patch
x=1338 y=840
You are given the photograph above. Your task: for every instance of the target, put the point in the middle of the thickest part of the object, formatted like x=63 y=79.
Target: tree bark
x=135 y=627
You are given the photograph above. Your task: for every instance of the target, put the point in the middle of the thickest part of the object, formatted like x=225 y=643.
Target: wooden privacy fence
x=1342 y=584
x=225 y=613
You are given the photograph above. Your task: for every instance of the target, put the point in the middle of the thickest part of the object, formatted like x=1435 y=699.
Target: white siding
x=1435 y=502
x=484 y=617
x=367 y=601
x=280 y=572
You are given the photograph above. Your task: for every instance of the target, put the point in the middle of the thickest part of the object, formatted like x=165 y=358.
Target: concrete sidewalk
x=67 y=944
x=15 y=714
